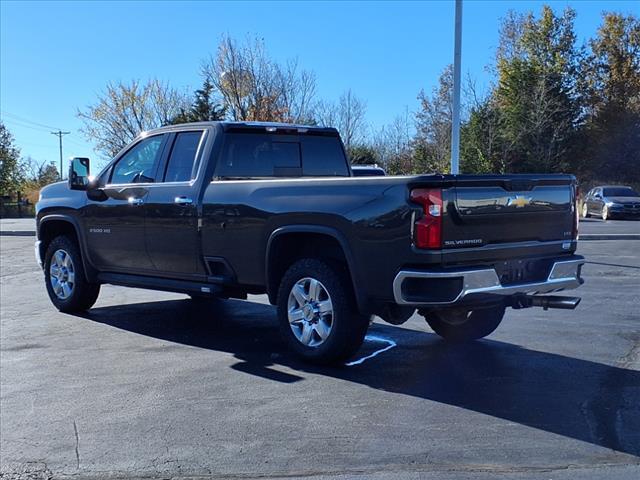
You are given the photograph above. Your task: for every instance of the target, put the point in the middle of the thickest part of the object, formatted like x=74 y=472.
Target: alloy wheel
x=310 y=312
x=62 y=274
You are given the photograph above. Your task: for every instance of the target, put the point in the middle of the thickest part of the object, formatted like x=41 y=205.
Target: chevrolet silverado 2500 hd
x=223 y=209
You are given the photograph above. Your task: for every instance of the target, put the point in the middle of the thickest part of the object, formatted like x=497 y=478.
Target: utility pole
x=455 y=121
x=59 y=134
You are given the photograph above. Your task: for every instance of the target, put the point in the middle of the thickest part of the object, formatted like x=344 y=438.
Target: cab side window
x=139 y=164
x=183 y=156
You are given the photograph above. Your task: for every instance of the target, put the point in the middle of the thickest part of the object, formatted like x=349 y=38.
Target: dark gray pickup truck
x=223 y=209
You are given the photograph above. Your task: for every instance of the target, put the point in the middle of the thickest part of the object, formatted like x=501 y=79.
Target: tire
x=460 y=326
x=317 y=312
x=65 y=279
x=585 y=211
x=605 y=213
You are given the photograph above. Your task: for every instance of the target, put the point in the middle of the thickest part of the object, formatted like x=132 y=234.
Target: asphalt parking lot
x=148 y=384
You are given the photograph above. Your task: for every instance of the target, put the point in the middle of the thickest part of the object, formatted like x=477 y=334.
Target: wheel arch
x=52 y=225
x=289 y=243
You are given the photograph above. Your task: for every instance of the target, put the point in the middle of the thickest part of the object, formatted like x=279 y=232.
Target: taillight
x=428 y=229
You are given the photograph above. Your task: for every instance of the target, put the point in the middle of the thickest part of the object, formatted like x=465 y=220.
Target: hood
x=54 y=188
x=623 y=199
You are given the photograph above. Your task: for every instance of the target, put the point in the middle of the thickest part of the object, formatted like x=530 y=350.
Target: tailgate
x=486 y=210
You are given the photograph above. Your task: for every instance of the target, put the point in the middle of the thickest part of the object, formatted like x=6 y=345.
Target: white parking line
x=374 y=338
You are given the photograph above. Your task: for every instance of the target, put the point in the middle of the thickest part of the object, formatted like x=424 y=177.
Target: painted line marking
x=374 y=338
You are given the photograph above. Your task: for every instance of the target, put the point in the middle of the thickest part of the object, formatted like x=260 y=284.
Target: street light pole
x=455 y=121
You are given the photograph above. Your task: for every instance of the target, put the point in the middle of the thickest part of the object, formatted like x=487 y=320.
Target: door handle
x=135 y=201
x=182 y=201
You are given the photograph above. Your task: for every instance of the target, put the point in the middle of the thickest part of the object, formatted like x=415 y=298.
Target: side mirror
x=79 y=173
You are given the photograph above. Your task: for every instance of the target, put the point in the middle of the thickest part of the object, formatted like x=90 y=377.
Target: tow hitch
x=544 y=301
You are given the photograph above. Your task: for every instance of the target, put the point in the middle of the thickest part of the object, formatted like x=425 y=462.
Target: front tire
x=605 y=213
x=65 y=279
x=458 y=326
x=317 y=312
x=585 y=210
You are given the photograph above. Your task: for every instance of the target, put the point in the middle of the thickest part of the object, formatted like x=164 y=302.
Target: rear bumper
x=415 y=287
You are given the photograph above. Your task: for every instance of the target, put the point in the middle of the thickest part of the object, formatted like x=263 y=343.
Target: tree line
x=551 y=106
x=20 y=175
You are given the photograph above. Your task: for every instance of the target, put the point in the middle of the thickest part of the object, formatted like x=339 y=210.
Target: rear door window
x=183 y=156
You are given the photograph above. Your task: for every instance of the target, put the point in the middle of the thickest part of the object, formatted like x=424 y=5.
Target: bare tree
x=254 y=87
x=433 y=124
x=124 y=110
x=41 y=172
x=348 y=115
x=393 y=145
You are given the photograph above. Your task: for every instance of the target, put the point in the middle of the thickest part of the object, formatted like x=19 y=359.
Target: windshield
x=620 y=192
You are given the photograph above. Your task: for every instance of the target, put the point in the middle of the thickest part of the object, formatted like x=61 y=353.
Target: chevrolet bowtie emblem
x=518 y=201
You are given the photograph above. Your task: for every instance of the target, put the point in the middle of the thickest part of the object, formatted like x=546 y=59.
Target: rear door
x=172 y=208
x=495 y=210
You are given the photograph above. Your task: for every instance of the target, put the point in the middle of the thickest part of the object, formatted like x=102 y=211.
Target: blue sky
x=56 y=56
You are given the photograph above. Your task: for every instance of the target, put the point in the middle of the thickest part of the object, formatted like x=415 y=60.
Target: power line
x=75 y=142
x=60 y=134
x=26 y=120
x=24 y=125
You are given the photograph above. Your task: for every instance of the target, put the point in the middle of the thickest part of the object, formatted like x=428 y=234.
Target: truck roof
x=255 y=126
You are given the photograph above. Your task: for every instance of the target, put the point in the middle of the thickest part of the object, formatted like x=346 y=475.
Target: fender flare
x=89 y=269
x=322 y=230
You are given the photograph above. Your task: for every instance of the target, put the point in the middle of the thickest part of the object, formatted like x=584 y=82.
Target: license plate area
x=513 y=272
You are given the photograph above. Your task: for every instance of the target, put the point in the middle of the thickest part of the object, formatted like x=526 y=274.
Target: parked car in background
x=367 y=171
x=611 y=201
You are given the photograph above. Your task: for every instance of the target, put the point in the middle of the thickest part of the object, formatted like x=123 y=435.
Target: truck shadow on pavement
x=579 y=399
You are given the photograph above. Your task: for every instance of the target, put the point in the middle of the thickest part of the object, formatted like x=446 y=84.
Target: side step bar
x=162 y=284
x=545 y=301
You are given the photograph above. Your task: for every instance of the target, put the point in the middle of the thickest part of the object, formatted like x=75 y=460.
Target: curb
x=17 y=233
x=609 y=236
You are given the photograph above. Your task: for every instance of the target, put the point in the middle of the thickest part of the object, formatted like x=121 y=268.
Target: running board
x=162 y=284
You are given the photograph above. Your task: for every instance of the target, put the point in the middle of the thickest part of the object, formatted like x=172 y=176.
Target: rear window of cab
x=263 y=155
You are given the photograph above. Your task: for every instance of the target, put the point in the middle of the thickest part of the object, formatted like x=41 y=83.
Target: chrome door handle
x=135 y=201
x=182 y=201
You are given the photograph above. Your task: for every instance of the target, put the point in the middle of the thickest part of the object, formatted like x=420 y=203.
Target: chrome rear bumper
x=564 y=275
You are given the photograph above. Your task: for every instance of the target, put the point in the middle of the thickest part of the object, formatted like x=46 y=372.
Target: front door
x=115 y=226
x=171 y=209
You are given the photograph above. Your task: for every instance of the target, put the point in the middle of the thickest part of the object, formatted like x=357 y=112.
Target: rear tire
x=458 y=326
x=65 y=279
x=317 y=312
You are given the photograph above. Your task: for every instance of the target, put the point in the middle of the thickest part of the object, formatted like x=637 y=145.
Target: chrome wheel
x=310 y=312
x=62 y=274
